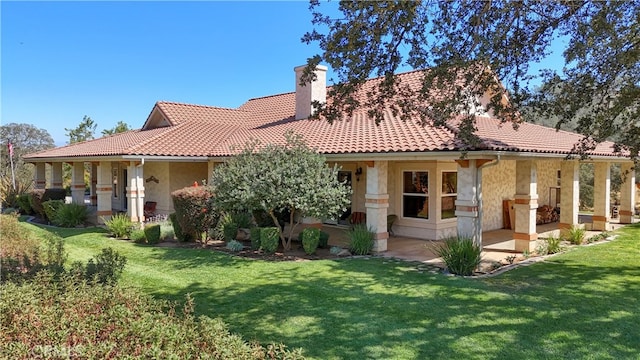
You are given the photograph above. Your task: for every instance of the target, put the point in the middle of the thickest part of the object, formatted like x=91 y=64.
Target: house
x=398 y=167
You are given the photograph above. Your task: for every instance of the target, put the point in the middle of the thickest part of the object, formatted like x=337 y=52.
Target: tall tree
x=475 y=48
x=83 y=132
x=119 y=128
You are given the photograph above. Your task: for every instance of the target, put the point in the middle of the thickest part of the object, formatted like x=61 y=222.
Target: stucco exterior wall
x=498 y=184
x=547 y=178
x=158 y=192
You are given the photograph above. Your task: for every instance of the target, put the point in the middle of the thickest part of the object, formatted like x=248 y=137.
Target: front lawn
x=581 y=304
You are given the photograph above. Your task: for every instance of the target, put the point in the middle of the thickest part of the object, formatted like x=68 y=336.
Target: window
x=415 y=194
x=449 y=195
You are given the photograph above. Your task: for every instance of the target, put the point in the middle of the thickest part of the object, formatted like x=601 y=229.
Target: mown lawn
x=583 y=304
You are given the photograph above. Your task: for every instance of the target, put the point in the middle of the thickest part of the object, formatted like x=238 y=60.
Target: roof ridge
x=198 y=105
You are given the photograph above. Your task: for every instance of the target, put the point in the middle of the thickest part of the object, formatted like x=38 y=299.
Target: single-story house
x=399 y=167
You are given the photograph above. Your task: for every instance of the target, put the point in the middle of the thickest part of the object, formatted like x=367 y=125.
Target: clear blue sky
x=113 y=60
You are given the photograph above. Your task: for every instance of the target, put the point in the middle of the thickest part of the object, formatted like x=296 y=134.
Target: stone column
x=526 y=203
x=569 y=193
x=377 y=202
x=77 y=183
x=132 y=192
x=94 y=183
x=469 y=222
x=40 y=176
x=601 y=196
x=56 y=175
x=627 y=193
x=104 y=190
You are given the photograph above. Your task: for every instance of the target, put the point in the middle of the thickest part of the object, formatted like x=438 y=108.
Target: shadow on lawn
x=365 y=309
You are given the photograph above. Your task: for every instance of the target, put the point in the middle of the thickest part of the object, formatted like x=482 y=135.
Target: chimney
x=315 y=91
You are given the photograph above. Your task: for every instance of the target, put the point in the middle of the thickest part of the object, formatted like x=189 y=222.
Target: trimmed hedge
x=269 y=238
x=310 y=237
x=24 y=204
x=51 y=208
x=177 y=230
x=254 y=235
x=38 y=196
x=194 y=210
x=152 y=233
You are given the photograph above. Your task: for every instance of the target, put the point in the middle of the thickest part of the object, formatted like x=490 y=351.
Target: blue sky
x=113 y=60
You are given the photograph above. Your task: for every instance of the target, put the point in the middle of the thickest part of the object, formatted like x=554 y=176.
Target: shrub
x=575 y=235
x=234 y=245
x=460 y=255
x=20 y=251
x=310 y=237
x=254 y=235
x=242 y=219
x=360 y=239
x=35 y=201
x=54 y=194
x=51 y=208
x=194 y=210
x=166 y=231
x=177 y=230
x=119 y=225
x=70 y=215
x=335 y=250
x=10 y=211
x=77 y=321
x=269 y=237
x=324 y=240
x=24 y=204
x=137 y=235
x=152 y=233
x=230 y=231
x=106 y=268
x=553 y=245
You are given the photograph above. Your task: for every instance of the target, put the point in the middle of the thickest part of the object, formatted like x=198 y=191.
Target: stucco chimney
x=317 y=90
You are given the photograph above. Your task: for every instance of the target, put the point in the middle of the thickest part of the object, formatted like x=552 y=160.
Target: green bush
x=152 y=233
x=324 y=240
x=234 y=245
x=230 y=231
x=254 y=235
x=553 y=245
x=242 y=219
x=54 y=194
x=137 y=236
x=51 y=208
x=177 y=230
x=269 y=237
x=119 y=225
x=105 y=269
x=310 y=237
x=194 y=210
x=24 y=204
x=70 y=215
x=575 y=235
x=67 y=320
x=360 y=239
x=460 y=255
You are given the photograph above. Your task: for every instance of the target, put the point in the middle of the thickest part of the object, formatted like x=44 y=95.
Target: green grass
x=583 y=304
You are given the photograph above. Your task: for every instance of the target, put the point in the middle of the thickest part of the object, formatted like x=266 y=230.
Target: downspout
x=478 y=225
x=139 y=205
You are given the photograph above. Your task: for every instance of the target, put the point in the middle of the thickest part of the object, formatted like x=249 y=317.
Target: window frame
x=426 y=195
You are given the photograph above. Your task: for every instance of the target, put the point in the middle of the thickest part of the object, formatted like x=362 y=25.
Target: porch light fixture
x=358 y=173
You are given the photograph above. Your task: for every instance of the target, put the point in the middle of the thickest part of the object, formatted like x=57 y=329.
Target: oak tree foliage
x=487 y=48
x=279 y=178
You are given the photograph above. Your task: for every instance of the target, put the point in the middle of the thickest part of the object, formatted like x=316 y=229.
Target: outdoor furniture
x=358 y=218
x=390 y=220
x=150 y=209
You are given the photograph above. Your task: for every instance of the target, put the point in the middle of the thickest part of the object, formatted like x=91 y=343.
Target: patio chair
x=150 y=209
x=358 y=217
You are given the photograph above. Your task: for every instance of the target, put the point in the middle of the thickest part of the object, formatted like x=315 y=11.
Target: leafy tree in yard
x=277 y=178
x=24 y=138
x=119 y=128
x=470 y=46
x=83 y=132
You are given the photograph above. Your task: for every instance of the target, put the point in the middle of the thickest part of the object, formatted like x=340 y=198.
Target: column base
x=626 y=217
x=601 y=223
x=524 y=242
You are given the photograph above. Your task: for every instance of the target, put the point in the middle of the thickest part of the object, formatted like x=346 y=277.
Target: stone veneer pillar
x=377 y=202
x=77 y=182
x=569 y=193
x=56 y=175
x=469 y=222
x=40 y=176
x=627 y=193
x=135 y=192
x=601 y=196
x=526 y=204
x=104 y=190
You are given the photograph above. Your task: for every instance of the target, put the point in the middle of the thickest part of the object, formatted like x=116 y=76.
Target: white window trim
x=428 y=196
x=443 y=195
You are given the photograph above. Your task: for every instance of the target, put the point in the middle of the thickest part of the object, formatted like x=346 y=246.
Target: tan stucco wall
x=498 y=184
x=547 y=177
x=171 y=177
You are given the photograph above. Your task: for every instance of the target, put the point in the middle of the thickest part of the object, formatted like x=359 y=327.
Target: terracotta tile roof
x=197 y=130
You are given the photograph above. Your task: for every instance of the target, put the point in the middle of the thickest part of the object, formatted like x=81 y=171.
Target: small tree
x=278 y=178
x=194 y=212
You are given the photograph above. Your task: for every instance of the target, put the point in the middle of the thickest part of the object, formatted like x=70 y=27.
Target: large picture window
x=449 y=195
x=415 y=194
